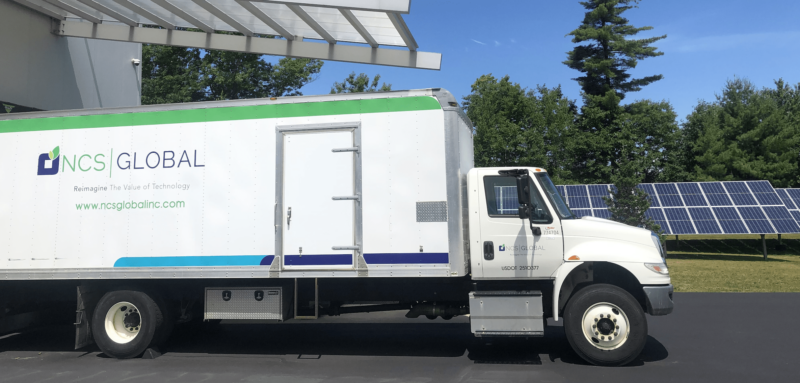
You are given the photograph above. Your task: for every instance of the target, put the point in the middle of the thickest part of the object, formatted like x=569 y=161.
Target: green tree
x=176 y=74
x=607 y=55
x=604 y=57
x=624 y=145
x=747 y=134
x=360 y=84
x=170 y=75
x=234 y=75
x=655 y=135
x=515 y=126
x=628 y=204
x=555 y=114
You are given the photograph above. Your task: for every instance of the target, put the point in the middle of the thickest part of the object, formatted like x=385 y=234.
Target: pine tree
x=604 y=57
x=608 y=55
x=625 y=145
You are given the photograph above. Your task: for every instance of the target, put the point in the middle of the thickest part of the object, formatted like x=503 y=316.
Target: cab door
x=510 y=250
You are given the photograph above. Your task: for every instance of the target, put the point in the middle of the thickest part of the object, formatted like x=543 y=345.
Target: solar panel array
x=506 y=200
x=736 y=207
x=791 y=199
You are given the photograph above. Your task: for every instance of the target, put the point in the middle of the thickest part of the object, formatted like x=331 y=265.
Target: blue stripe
x=405 y=258
x=318 y=260
x=267 y=261
x=290 y=260
x=210 y=260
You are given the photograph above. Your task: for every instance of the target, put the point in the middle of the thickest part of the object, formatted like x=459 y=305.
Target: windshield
x=554 y=197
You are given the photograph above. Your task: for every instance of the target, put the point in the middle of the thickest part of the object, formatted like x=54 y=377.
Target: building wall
x=43 y=71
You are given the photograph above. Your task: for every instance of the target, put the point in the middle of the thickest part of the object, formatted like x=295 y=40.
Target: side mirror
x=526 y=208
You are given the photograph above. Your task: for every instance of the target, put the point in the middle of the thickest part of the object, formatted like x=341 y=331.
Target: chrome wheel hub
x=605 y=326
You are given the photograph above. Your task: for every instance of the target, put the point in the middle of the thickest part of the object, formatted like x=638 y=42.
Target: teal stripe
x=211 y=260
x=210 y=114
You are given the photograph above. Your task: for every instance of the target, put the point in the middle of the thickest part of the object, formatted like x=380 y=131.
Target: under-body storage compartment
x=260 y=303
x=506 y=313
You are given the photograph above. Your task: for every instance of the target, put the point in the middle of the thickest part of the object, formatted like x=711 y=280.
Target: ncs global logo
x=503 y=247
x=48 y=163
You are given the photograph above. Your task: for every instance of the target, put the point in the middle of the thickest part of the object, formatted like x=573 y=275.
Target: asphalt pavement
x=709 y=337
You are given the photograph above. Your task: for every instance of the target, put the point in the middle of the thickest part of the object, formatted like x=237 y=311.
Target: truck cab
x=600 y=276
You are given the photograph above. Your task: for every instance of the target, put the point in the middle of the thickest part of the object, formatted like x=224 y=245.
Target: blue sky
x=709 y=41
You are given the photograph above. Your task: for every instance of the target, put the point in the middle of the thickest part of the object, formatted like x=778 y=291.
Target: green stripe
x=309 y=109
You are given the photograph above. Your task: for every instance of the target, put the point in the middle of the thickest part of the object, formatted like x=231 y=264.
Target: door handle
x=536 y=231
x=488 y=250
x=289 y=217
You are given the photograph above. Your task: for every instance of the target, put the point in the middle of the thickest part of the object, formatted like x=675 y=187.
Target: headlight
x=657 y=242
x=660 y=268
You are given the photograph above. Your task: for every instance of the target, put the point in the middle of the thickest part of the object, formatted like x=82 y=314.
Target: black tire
x=592 y=350
x=151 y=323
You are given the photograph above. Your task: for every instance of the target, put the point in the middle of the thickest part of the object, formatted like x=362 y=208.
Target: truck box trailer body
x=297 y=207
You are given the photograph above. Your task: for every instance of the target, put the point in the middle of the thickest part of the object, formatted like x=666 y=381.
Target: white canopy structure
x=367 y=23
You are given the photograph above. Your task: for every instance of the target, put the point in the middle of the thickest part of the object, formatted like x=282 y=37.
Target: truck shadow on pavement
x=312 y=341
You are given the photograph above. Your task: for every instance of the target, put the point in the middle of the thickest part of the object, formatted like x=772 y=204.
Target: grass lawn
x=733 y=264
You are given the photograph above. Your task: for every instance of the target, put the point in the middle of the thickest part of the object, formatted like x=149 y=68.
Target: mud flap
x=83 y=331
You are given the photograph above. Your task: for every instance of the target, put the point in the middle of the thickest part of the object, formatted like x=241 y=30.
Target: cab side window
x=501 y=199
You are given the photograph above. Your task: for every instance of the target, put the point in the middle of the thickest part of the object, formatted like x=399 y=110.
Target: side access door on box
x=318 y=209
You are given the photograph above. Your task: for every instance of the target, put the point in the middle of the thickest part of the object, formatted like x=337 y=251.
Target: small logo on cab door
x=503 y=247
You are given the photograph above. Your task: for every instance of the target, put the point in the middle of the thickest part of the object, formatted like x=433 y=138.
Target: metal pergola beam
x=259 y=14
x=263 y=46
x=396 y=6
x=303 y=15
x=348 y=14
x=182 y=14
x=76 y=11
x=224 y=17
x=110 y=12
x=403 y=30
x=146 y=13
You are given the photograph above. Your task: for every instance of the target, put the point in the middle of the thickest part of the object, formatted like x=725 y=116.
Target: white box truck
x=292 y=208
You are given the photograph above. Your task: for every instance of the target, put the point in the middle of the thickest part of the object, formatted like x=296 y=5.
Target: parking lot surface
x=709 y=337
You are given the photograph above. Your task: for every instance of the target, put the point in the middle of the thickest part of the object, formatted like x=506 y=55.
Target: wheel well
x=600 y=272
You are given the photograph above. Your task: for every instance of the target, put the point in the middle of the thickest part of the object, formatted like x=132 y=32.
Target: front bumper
x=659 y=299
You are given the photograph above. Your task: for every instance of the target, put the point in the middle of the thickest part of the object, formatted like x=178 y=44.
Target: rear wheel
x=126 y=322
x=605 y=325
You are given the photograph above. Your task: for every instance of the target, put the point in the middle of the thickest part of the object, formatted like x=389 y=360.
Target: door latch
x=488 y=250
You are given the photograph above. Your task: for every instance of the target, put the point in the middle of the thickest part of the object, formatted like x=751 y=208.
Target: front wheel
x=126 y=322
x=605 y=325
